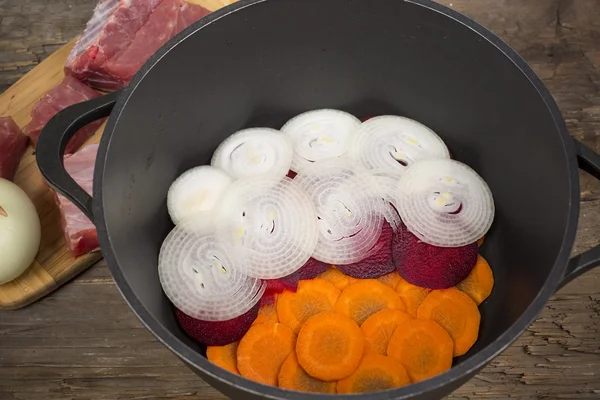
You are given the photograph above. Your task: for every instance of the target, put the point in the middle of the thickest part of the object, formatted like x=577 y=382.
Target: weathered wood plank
x=83 y=342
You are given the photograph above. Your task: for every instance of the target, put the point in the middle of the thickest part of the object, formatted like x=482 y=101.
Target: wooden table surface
x=83 y=342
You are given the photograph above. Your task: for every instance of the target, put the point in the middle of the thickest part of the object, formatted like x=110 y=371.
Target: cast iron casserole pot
x=260 y=62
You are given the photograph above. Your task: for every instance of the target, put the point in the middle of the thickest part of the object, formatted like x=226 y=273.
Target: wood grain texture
x=83 y=342
x=53 y=265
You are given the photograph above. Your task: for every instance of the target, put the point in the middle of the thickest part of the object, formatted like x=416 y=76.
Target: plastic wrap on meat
x=13 y=144
x=110 y=30
x=70 y=91
x=80 y=232
x=161 y=26
x=113 y=70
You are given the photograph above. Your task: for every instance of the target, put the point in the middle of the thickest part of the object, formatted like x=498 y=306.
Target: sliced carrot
x=480 y=241
x=365 y=297
x=423 y=348
x=392 y=279
x=224 y=356
x=456 y=313
x=267 y=313
x=336 y=277
x=375 y=373
x=293 y=377
x=263 y=350
x=330 y=346
x=412 y=296
x=312 y=297
x=379 y=327
x=480 y=282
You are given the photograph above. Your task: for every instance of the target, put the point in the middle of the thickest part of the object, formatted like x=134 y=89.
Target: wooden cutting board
x=53 y=265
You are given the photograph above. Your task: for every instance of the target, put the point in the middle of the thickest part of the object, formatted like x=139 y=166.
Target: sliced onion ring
x=391 y=141
x=385 y=182
x=319 y=135
x=197 y=189
x=445 y=203
x=254 y=152
x=201 y=276
x=271 y=223
x=349 y=212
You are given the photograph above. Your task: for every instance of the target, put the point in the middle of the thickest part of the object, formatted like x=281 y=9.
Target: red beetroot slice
x=217 y=333
x=310 y=270
x=430 y=266
x=267 y=299
x=379 y=263
x=291 y=174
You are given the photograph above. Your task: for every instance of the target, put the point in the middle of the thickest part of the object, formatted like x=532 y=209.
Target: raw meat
x=168 y=19
x=80 y=232
x=158 y=30
x=70 y=91
x=110 y=30
x=106 y=69
x=12 y=147
x=189 y=14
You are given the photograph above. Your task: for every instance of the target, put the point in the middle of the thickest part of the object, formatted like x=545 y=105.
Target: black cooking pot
x=260 y=62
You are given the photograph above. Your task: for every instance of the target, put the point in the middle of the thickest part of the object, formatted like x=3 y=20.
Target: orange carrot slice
x=330 y=346
x=456 y=313
x=480 y=241
x=379 y=327
x=365 y=297
x=263 y=350
x=375 y=373
x=392 y=279
x=267 y=313
x=293 y=377
x=224 y=356
x=480 y=282
x=312 y=297
x=423 y=348
x=335 y=276
x=412 y=296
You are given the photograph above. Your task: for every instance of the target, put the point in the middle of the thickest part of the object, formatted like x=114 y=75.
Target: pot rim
x=456 y=373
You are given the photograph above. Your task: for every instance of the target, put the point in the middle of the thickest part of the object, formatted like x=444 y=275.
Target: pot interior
x=265 y=63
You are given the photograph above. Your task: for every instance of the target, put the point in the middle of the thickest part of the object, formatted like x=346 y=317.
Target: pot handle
x=53 y=141
x=588 y=161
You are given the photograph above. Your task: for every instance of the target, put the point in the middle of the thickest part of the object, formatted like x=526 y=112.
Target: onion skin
x=20 y=231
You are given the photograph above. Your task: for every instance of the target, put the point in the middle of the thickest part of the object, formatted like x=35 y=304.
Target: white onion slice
x=319 y=135
x=395 y=142
x=385 y=182
x=445 y=203
x=197 y=189
x=348 y=210
x=201 y=276
x=271 y=223
x=254 y=152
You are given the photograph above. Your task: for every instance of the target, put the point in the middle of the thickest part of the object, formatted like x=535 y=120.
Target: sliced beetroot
x=217 y=333
x=291 y=174
x=379 y=263
x=430 y=266
x=267 y=299
x=310 y=270
x=275 y=286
